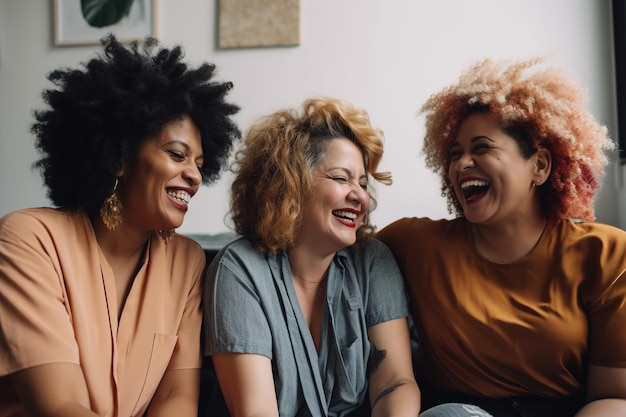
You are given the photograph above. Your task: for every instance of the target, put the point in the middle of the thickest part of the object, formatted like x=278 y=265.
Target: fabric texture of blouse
x=58 y=303
x=251 y=306
x=526 y=328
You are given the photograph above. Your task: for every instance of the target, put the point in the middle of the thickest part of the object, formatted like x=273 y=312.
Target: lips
x=473 y=189
x=347 y=217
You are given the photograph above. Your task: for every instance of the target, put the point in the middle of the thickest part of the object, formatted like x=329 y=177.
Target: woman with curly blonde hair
x=306 y=314
x=280 y=158
x=519 y=300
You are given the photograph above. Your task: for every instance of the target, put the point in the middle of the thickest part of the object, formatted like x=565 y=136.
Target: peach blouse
x=58 y=303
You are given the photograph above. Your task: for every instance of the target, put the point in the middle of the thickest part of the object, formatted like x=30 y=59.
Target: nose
x=465 y=161
x=358 y=194
x=192 y=174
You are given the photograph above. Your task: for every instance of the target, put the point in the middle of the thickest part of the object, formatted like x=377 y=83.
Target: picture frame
x=619 y=44
x=71 y=28
x=258 y=23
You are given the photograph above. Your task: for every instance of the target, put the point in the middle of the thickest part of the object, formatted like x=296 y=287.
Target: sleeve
x=396 y=237
x=607 y=321
x=35 y=323
x=187 y=351
x=605 y=296
x=234 y=319
x=387 y=297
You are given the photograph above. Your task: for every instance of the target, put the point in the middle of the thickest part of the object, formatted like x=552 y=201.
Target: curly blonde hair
x=539 y=109
x=275 y=168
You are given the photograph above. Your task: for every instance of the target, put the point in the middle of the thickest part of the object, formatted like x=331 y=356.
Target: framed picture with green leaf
x=85 y=22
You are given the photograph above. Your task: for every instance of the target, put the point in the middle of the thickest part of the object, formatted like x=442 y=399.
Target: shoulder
x=240 y=256
x=416 y=233
x=241 y=250
x=37 y=216
x=592 y=234
x=185 y=244
x=409 y=225
x=598 y=228
x=369 y=252
x=373 y=258
x=42 y=221
x=598 y=249
x=239 y=265
x=181 y=253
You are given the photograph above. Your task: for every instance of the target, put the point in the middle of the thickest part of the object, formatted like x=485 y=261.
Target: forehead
x=478 y=124
x=182 y=129
x=341 y=152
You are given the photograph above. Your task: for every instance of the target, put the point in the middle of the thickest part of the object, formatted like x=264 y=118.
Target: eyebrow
x=474 y=139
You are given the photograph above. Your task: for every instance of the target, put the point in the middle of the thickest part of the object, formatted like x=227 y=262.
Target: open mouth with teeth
x=474 y=189
x=180 y=196
x=346 y=217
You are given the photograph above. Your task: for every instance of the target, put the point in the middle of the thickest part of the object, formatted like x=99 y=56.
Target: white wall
x=386 y=56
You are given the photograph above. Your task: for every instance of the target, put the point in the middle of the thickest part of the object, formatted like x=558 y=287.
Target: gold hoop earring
x=166 y=235
x=111 y=210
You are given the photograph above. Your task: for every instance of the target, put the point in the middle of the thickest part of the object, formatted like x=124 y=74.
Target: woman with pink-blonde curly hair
x=519 y=302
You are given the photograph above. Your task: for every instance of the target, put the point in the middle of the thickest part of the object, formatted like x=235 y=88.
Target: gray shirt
x=251 y=307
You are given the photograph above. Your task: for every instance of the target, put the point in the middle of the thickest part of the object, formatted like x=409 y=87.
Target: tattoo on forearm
x=385 y=392
x=376 y=357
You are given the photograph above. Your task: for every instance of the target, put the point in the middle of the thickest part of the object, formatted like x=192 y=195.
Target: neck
x=308 y=281
x=120 y=243
x=510 y=242
x=306 y=268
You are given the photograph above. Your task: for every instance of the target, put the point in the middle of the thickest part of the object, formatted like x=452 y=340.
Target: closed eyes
x=180 y=157
x=455 y=154
x=177 y=156
x=344 y=180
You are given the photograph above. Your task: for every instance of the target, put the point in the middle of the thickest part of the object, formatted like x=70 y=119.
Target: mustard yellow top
x=525 y=328
x=58 y=304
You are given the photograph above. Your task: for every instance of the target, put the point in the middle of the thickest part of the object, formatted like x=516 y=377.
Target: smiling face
x=492 y=180
x=339 y=201
x=157 y=186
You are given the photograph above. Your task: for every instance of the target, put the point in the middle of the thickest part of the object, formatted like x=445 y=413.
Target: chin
x=471 y=219
x=348 y=243
x=170 y=227
x=175 y=223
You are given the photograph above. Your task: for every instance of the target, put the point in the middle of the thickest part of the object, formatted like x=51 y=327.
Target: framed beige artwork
x=85 y=22
x=258 y=23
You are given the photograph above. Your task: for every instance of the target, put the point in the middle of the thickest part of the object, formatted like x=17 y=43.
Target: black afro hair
x=100 y=113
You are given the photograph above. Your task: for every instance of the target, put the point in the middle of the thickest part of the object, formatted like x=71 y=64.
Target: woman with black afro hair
x=100 y=299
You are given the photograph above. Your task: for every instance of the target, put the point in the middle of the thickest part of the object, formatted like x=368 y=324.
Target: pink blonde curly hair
x=541 y=108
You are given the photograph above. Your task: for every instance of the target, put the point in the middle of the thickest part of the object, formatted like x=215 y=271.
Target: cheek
x=452 y=178
x=366 y=203
x=451 y=171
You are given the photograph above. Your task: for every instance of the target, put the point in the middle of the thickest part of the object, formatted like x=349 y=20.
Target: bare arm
x=393 y=390
x=177 y=394
x=606 y=392
x=247 y=384
x=57 y=389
